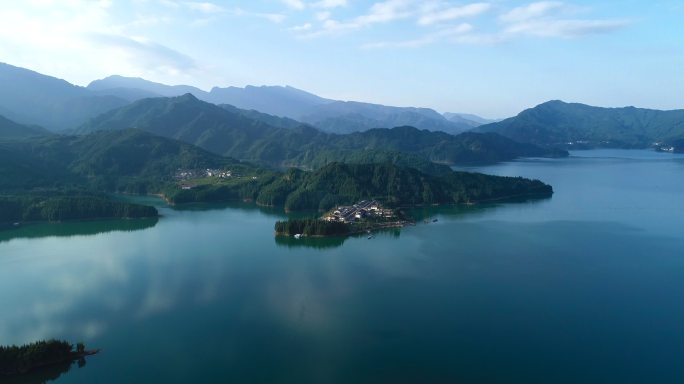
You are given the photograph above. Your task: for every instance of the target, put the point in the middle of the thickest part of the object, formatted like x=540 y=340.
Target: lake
x=584 y=287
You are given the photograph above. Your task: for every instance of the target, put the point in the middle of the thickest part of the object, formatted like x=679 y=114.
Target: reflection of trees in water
x=234 y=205
x=310 y=242
x=76 y=228
x=331 y=241
x=43 y=375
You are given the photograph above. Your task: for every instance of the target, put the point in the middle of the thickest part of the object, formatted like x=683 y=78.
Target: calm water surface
x=585 y=287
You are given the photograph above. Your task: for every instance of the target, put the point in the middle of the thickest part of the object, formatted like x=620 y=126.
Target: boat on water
x=298 y=236
x=435 y=220
x=370 y=237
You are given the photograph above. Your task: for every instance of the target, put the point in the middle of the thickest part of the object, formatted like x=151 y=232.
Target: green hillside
x=124 y=161
x=58 y=177
x=233 y=134
x=62 y=177
x=339 y=183
x=559 y=123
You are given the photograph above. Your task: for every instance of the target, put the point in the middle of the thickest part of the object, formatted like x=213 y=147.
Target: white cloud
x=443 y=34
x=152 y=56
x=299 y=28
x=169 y=3
x=531 y=11
x=329 y=4
x=380 y=12
x=294 y=4
x=437 y=15
x=386 y=11
x=272 y=17
x=204 y=7
x=566 y=28
x=322 y=16
x=551 y=19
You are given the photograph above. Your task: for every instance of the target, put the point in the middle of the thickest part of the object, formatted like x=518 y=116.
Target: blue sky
x=492 y=58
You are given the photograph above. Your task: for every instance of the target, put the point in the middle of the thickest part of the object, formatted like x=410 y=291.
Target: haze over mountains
x=230 y=133
x=32 y=98
x=326 y=114
x=29 y=100
x=12 y=130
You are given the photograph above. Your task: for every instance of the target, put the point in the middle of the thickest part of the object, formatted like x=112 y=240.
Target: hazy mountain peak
x=12 y=130
x=189 y=97
x=29 y=97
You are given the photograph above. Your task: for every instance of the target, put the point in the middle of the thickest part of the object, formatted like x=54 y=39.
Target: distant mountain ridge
x=328 y=115
x=352 y=116
x=231 y=133
x=468 y=118
x=557 y=123
x=28 y=97
x=12 y=130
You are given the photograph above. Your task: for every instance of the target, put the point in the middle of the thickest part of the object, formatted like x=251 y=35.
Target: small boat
x=16 y=224
x=370 y=237
x=435 y=220
x=298 y=236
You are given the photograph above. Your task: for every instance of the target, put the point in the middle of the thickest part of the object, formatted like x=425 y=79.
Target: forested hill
x=127 y=161
x=233 y=134
x=560 y=123
x=339 y=183
x=61 y=176
x=10 y=130
x=57 y=177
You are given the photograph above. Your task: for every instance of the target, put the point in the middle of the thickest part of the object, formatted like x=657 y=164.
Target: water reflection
x=75 y=228
x=243 y=207
x=44 y=375
x=310 y=242
x=420 y=214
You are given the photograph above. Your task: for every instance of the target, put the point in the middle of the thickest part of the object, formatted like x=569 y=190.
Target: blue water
x=584 y=287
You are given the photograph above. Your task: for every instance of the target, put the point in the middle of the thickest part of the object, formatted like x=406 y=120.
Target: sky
x=492 y=58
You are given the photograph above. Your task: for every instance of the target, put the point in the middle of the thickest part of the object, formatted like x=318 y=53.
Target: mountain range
x=574 y=125
x=13 y=130
x=31 y=98
x=326 y=114
x=230 y=133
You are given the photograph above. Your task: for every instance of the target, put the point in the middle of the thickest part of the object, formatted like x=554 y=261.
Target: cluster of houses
x=187 y=174
x=361 y=210
x=184 y=175
x=664 y=148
